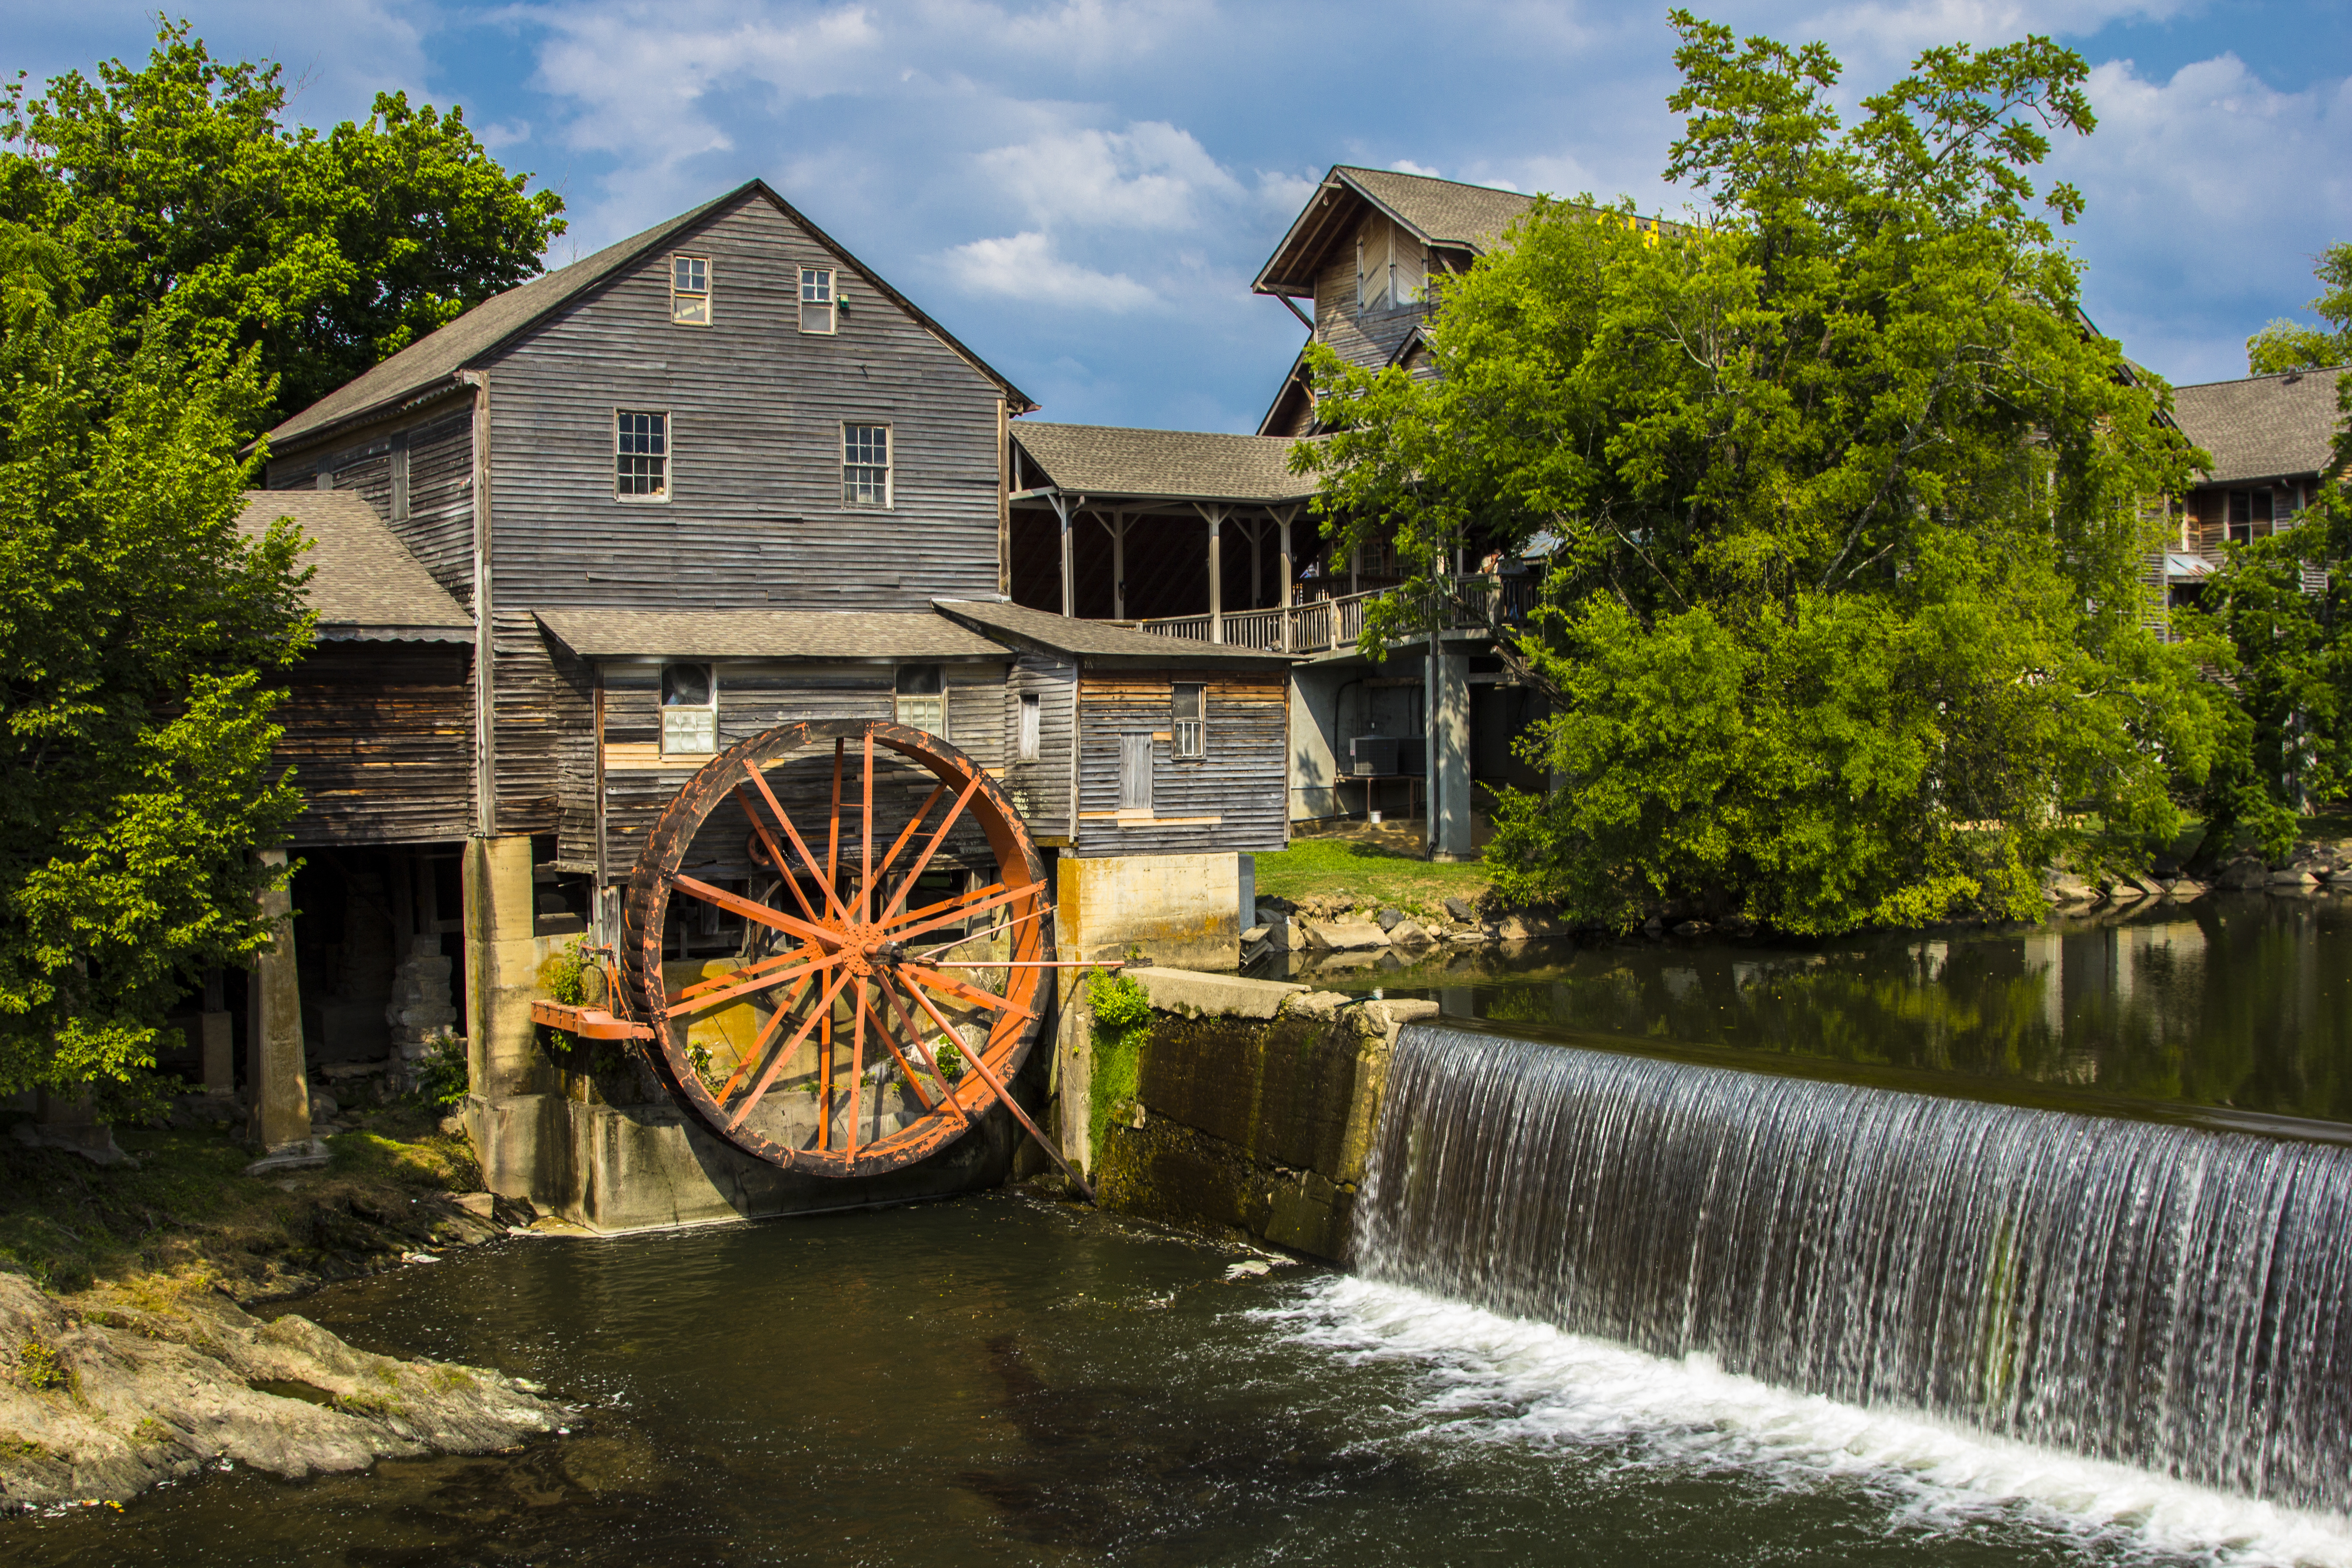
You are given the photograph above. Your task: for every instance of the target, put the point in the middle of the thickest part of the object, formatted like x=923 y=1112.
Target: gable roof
x=431 y=364
x=364 y=583
x=1105 y=642
x=2264 y=426
x=1437 y=212
x=765 y=634
x=1112 y=461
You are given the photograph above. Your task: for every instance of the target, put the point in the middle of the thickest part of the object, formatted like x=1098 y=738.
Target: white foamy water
x=1493 y=1379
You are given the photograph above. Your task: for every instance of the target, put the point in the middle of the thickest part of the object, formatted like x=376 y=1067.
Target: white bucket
x=1376 y=819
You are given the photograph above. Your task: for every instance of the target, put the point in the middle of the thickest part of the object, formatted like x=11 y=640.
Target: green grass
x=1372 y=875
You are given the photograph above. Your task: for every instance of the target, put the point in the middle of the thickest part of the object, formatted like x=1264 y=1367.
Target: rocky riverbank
x=130 y=1386
x=127 y=1352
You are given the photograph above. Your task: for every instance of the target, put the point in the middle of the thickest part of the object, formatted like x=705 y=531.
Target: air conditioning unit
x=1372 y=756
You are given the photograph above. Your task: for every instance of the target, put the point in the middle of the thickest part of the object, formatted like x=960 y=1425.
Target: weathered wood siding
x=756 y=695
x=537 y=707
x=1368 y=338
x=1231 y=799
x=1041 y=789
x=754 y=518
x=438 y=528
x=381 y=738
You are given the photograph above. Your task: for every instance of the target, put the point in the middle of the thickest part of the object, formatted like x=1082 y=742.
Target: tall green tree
x=178 y=187
x=1848 y=500
x=2286 y=345
x=135 y=626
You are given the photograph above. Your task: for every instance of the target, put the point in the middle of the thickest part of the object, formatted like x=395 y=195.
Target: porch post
x=1216 y=516
x=1069 y=592
x=1118 y=564
x=1284 y=539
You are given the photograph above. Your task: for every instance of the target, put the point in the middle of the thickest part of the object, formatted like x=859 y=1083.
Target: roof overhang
x=348 y=632
x=831 y=636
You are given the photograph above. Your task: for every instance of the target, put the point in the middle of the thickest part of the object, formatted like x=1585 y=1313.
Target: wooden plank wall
x=1366 y=338
x=539 y=709
x=381 y=737
x=439 y=527
x=754 y=696
x=1041 y=789
x=755 y=518
x=1241 y=783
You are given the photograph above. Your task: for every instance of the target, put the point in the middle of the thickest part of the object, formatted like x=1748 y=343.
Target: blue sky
x=1082 y=189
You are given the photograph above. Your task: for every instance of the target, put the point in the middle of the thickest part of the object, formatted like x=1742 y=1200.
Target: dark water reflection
x=2241 y=1001
x=999 y=1379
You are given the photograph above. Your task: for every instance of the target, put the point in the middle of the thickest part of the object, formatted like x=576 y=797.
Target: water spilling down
x=2158 y=1295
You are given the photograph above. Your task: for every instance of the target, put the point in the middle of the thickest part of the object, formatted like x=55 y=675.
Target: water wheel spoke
x=832 y=838
x=801 y=845
x=823 y=1009
x=994 y=932
x=973 y=904
x=856 y=1070
x=774 y=850
x=767 y=1034
x=866 y=860
x=752 y=910
x=955 y=1095
x=914 y=1039
x=690 y=1002
x=963 y=992
x=908 y=832
x=937 y=837
x=979 y=1059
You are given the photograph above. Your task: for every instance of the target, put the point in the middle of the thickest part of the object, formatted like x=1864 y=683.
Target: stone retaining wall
x=1253 y=1105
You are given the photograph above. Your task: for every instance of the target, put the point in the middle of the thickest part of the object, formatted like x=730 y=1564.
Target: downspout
x=486 y=731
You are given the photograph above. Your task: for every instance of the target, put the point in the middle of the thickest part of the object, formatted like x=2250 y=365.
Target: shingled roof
x=1110 y=462
x=1439 y=212
x=765 y=634
x=431 y=363
x=2262 y=427
x=365 y=583
x=1104 y=641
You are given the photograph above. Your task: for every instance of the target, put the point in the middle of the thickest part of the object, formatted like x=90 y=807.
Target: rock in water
x=107 y=1403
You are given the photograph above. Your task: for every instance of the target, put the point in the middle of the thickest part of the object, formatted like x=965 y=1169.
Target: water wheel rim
x=901 y=998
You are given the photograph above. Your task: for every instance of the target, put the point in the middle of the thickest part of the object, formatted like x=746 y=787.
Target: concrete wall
x=1314 y=728
x=1248 y=1104
x=1181 y=909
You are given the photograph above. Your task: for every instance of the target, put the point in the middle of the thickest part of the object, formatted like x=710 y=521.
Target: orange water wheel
x=839 y=939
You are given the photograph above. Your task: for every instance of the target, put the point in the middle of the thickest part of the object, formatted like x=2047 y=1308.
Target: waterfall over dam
x=2164 y=1296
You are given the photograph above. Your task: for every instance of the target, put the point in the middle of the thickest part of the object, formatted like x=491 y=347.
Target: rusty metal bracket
x=588 y=1022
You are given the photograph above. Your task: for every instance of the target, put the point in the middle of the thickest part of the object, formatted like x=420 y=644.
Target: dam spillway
x=2158 y=1295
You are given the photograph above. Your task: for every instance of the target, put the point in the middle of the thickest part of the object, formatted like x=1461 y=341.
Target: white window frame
x=1193 y=746
x=698 y=720
x=1027 y=737
x=820 y=301
x=669 y=455
x=915 y=710
x=890 y=467
x=689 y=307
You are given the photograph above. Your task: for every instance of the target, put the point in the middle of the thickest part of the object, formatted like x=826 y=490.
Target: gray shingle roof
x=765 y=634
x=1442 y=212
x=437 y=356
x=1097 y=639
x=1107 y=460
x=434 y=360
x=2262 y=427
x=366 y=583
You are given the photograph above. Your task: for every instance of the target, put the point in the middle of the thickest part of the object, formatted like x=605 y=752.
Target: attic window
x=818 y=302
x=689 y=710
x=689 y=290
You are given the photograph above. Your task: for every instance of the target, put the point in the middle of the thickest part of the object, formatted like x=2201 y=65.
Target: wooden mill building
x=716 y=477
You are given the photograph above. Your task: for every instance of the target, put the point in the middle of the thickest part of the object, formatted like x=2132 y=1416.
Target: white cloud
x=1151 y=175
x=1024 y=266
x=1407 y=166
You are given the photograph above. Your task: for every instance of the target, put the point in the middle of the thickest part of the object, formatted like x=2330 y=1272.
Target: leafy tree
x=135 y=773
x=2286 y=345
x=178 y=188
x=1845 y=498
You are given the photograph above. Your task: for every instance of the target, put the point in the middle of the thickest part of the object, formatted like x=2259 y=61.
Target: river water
x=1006 y=1379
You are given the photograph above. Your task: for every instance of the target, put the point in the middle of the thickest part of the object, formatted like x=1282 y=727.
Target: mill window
x=1031 y=713
x=641 y=455
x=689 y=290
x=689 y=697
x=1192 y=702
x=922 y=701
x=865 y=465
x=818 y=303
x=2249 y=515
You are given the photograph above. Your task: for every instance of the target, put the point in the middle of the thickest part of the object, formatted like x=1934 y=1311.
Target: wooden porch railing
x=1321 y=624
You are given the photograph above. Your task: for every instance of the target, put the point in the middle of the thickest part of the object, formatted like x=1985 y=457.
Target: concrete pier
x=277 y=1089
